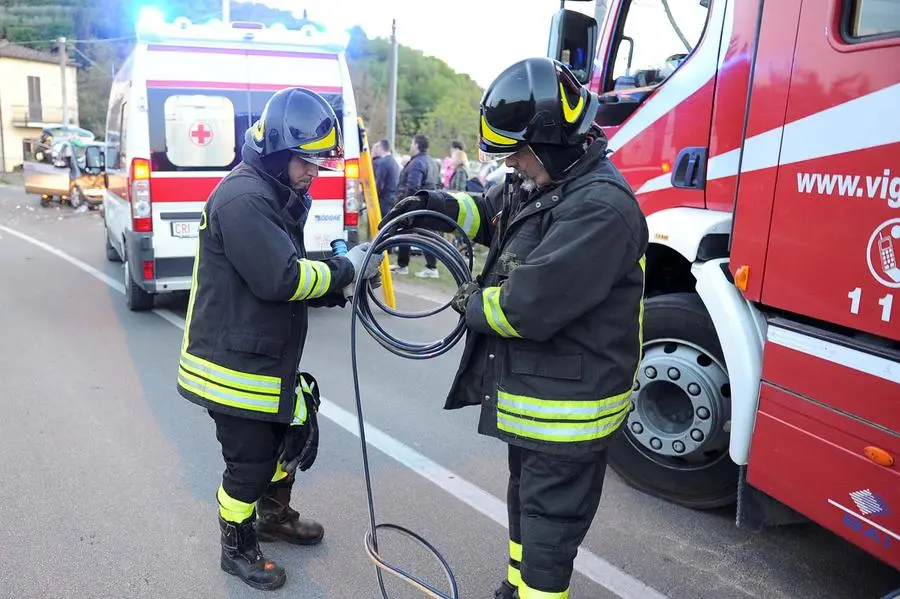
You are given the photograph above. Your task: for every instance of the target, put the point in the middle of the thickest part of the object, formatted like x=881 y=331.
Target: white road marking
x=590 y=565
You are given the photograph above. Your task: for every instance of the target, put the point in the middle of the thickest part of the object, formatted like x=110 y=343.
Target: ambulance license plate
x=187 y=228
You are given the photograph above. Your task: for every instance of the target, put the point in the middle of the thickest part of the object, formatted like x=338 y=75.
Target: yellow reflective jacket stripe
x=494 y=314
x=554 y=409
x=469 y=218
x=254 y=383
x=227 y=396
x=314 y=279
x=560 y=432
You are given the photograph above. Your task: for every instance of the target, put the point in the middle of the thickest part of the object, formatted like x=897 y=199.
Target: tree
x=431 y=97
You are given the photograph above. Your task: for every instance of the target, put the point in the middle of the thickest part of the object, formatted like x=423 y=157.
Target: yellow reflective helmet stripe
x=526 y=592
x=569 y=113
x=231 y=509
x=314 y=279
x=560 y=432
x=495 y=138
x=494 y=314
x=469 y=217
x=324 y=143
x=562 y=410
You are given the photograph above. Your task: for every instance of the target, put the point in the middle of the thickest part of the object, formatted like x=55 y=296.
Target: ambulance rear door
x=198 y=110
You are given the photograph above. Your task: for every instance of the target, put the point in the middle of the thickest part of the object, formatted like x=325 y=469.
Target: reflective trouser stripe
x=494 y=315
x=231 y=509
x=555 y=409
x=469 y=217
x=314 y=279
x=560 y=432
x=513 y=576
x=526 y=592
x=234 y=379
x=226 y=396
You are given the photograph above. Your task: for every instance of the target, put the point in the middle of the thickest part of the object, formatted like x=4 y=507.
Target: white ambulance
x=178 y=110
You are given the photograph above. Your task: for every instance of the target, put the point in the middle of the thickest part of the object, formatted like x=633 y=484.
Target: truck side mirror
x=93 y=159
x=573 y=42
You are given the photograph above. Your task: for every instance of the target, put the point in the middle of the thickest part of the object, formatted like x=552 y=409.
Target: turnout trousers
x=251 y=449
x=552 y=501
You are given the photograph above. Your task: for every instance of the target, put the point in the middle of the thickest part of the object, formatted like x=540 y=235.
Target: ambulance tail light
x=139 y=196
x=351 y=193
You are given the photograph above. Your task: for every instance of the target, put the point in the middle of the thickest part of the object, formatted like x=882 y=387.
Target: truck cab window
x=655 y=38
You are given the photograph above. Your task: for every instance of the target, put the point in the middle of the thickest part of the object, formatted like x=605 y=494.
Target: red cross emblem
x=201 y=134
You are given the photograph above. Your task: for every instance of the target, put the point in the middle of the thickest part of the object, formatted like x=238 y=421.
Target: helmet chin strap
x=557 y=160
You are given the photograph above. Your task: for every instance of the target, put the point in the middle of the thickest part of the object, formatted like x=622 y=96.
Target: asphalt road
x=108 y=476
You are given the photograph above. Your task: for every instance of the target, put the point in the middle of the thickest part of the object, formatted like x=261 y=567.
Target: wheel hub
x=681 y=400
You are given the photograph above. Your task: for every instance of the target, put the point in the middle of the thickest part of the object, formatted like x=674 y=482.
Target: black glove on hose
x=301 y=441
x=461 y=299
x=424 y=200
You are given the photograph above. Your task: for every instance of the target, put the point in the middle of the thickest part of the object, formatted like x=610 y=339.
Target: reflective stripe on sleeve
x=494 y=315
x=469 y=217
x=314 y=279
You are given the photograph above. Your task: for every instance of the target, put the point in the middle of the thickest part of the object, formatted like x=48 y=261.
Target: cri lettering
x=867 y=531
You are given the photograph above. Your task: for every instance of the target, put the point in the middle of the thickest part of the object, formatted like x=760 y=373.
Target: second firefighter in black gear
x=554 y=319
x=246 y=326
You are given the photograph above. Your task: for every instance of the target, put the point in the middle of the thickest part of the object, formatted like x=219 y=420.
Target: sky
x=476 y=37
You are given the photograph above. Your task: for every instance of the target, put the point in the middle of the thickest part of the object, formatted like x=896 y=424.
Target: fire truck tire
x=674 y=444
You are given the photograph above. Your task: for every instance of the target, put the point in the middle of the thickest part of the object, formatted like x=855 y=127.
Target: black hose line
x=461 y=271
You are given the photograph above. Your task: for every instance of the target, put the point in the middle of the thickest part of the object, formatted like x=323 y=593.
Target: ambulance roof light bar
x=153 y=27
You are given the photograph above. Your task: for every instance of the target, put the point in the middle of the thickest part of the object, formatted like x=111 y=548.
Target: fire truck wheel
x=674 y=444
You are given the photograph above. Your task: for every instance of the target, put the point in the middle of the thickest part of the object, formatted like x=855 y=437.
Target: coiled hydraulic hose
x=461 y=271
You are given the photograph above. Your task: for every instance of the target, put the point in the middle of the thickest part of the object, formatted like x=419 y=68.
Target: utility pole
x=63 y=59
x=392 y=87
x=226 y=11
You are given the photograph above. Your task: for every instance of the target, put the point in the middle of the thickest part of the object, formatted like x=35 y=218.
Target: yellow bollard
x=373 y=209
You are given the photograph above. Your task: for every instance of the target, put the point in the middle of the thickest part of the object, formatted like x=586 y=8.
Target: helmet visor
x=328 y=163
x=486 y=156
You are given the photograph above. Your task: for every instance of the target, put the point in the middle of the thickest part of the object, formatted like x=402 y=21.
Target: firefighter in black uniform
x=246 y=326
x=554 y=320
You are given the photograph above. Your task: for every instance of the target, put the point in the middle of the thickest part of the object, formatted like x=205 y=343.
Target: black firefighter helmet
x=301 y=122
x=536 y=102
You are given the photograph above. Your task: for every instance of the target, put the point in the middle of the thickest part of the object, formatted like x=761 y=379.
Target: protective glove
x=434 y=201
x=461 y=298
x=356 y=255
x=301 y=441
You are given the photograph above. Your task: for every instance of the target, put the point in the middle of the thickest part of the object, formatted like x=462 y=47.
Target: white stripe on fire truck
x=809 y=138
x=837 y=354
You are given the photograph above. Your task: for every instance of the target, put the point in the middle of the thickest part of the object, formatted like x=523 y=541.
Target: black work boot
x=506 y=591
x=278 y=522
x=241 y=557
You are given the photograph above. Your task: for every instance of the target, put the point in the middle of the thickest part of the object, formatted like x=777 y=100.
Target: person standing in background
x=387 y=173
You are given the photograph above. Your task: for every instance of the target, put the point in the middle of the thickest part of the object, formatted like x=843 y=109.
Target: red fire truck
x=763 y=141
